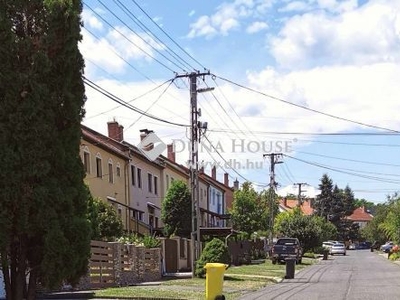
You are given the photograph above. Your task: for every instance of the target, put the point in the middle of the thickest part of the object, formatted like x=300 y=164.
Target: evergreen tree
x=348 y=201
x=43 y=227
x=176 y=210
x=336 y=212
x=322 y=204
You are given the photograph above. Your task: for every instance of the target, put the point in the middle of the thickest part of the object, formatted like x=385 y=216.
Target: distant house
x=361 y=216
x=286 y=204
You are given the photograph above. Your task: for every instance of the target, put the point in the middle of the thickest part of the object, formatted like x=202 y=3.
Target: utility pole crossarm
x=299 y=192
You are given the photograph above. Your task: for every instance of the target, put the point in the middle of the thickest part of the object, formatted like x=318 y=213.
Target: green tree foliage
x=310 y=230
x=105 y=223
x=322 y=204
x=176 y=210
x=249 y=212
x=373 y=231
x=43 y=227
x=349 y=202
x=215 y=251
x=391 y=224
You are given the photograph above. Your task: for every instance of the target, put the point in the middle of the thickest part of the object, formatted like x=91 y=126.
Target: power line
x=126 y=104
x=146 y=30
x=306 y=108
x=123 y=35
x=344 y=172
x=155 y=23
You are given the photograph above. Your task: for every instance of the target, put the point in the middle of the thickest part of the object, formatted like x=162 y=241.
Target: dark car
x=364 y=245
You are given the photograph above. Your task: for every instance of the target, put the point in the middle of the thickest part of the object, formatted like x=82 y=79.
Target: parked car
x=338 y=248
x=327 y=245
x=364 y=245
x=352 y=247
x=286 y=248
x=387 y=247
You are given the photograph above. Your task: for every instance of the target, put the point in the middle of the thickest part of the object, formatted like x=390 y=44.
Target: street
x=359 y=275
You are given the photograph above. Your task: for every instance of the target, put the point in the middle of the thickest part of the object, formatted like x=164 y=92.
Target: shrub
x=215 y=251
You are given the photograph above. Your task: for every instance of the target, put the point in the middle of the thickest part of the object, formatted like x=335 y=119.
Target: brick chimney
x=201 y=170
x=236 y=185
x=214 y=173
x=171 y=152
x=226 y=179
x=115 y=131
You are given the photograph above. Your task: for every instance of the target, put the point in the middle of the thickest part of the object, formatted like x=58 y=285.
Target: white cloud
x=295 y=6
x=256 y=27
x=90 y=20
x=191 y=13
x=228 y=17
x=364 y=35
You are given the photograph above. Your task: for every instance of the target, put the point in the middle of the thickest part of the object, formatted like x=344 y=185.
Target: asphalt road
x=360 y=274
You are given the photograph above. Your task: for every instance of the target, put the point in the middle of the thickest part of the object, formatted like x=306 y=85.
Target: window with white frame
x=150 y=182
x=139 y=178
x=86 y=160
x=118 y=170
x=110 y=171
x=155 y=185
x=99 y=168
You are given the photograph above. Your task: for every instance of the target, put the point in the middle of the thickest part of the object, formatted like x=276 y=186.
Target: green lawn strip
x=237 y=281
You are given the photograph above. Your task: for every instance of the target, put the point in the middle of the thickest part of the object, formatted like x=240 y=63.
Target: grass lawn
x=238 y=280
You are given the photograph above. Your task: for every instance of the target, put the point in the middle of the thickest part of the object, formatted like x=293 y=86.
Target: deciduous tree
x=176 y=210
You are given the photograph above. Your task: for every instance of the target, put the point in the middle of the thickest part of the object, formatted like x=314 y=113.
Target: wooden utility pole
x=272 y=186
x=299 y=192
x=196 y=126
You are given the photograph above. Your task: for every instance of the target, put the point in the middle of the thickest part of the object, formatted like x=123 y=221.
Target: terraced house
x=120 y=174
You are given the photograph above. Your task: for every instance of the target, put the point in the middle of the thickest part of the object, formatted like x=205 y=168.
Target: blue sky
x=320 y=76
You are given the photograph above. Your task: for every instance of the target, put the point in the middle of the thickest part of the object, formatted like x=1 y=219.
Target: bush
x=215 y=251
x=319 y=250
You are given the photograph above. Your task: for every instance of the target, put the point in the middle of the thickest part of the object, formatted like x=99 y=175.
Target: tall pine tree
x=43 y=227
x=323 y=202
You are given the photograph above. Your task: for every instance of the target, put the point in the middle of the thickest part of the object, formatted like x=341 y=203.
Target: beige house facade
x=106 y=164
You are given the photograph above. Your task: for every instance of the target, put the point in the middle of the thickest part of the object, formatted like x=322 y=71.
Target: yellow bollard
x=214 y=280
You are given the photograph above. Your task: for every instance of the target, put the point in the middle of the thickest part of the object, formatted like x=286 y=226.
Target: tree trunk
x=31 y=294
x=6 y=274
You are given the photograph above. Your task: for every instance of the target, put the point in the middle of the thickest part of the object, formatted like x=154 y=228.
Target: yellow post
x=214 y=280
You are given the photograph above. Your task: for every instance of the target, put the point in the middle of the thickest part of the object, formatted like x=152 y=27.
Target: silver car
x=338 y=248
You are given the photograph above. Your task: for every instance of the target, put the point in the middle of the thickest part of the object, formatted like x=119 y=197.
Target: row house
x=106 y=163
x=119 y=173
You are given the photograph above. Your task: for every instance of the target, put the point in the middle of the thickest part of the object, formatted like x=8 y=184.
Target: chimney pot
x=171 y=152
x=214 y=172
x=226 y=179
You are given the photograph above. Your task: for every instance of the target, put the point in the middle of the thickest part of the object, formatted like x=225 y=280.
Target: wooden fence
x=116 y=264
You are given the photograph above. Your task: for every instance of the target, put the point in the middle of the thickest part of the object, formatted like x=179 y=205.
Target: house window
x=155 y=185
x=167 y=181
x=133 y=174
x=110 y=172
x=99 y=170
x=118 y=170
x=86 y=161
x=139 y=178
x=150 y=182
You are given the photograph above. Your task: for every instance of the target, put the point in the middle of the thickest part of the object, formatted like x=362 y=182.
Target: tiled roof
x=292 y=203
x=104 y=141
x=360 y=215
